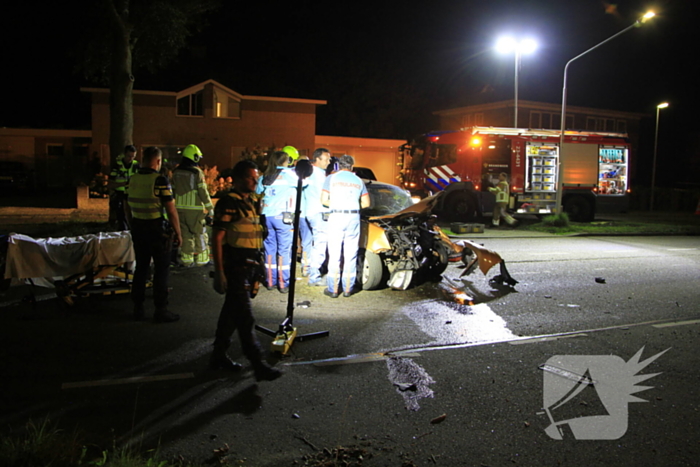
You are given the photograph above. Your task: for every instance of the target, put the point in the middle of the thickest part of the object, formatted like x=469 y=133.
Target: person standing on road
x=149 y=198
x=193 y=204
x=278 y=186
x=344 y=194
x=122 y=171
x=502 y=192
x=237 y=243
x=313 y=227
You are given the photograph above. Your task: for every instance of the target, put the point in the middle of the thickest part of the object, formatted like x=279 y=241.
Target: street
x=404 y=378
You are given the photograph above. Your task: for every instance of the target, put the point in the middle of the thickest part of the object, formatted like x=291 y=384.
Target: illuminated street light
x=525 y=46
x=560 y=171
x=653 y=166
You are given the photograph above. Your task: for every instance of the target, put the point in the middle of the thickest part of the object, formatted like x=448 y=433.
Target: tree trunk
x=121 y=85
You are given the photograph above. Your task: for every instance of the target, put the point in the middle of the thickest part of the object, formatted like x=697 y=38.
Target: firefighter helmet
x=291 y=152
x=192 y=152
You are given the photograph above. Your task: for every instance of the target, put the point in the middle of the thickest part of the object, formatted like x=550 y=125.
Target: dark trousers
x=117 y=207
x=237 y=311
x=150 y=242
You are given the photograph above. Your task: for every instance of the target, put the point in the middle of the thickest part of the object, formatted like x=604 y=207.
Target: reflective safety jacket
x=502 y=191
x=191 y=189
x=120 y=173
x=240 y=218
x=146 y=192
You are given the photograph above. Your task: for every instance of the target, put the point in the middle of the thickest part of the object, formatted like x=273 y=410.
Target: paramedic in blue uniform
x=278 y=187
x=313 y=227
x=344 y=194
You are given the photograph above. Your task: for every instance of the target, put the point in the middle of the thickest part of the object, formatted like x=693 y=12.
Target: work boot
x=165 y=316
x=220 y=361
x=264 y=372
x=139 y=312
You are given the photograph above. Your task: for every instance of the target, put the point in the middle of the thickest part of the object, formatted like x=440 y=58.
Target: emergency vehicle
x=465 y=163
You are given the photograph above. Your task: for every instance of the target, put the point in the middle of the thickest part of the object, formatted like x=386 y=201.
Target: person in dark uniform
x=149 y=198
x=237 y=247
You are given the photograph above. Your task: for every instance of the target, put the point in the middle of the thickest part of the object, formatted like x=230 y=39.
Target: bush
x=557 y=220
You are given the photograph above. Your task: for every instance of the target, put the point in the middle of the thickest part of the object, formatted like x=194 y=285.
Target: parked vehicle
x=13 y=176
x=400 y=242
x=464 y=163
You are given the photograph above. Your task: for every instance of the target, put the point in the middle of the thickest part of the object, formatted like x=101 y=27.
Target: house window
x=535 y=119
x=55 y=150
x=226 y=106
x=621 y=126
x=191 y=104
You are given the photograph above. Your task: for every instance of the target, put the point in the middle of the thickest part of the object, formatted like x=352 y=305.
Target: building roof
x=201 y=85
x=555 y=108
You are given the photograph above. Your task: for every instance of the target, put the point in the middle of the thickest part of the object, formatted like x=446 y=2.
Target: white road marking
x=545 y=339
x=677 y=323
x=134 y=379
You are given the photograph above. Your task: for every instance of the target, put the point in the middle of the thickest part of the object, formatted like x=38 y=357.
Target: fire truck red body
x=465 y=163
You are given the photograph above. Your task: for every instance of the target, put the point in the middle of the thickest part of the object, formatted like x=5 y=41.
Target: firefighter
x=149 y=199
x=313 y=225
x=344 y=194
x=193 y=204
x=502 y=192
x=237 y=243
x=119 y=176
x=278 y=187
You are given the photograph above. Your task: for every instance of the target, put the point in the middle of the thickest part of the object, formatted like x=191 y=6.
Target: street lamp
x=525 y=46
x=656 y=143
x=647 y=16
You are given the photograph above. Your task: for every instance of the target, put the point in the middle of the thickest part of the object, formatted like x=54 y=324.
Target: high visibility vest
x=143 y=202
x=190 y=189
x=502 y=190
x=122 y=174
x=246 y=231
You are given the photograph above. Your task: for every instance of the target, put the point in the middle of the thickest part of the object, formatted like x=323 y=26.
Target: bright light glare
x=662 y=105
x=647 y=16
x=509 y=44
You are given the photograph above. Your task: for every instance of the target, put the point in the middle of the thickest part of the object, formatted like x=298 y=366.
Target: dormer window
x=191 y=104
x=226 y=105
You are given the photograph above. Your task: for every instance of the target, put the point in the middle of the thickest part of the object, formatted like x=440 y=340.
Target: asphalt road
x=393 y=365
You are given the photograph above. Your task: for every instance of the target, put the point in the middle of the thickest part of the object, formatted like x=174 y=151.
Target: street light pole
x=562 y=128
x=517 y=65
x=507 y=45
x=653 y=165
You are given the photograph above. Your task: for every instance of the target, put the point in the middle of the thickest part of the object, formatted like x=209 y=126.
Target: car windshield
x=386 y=199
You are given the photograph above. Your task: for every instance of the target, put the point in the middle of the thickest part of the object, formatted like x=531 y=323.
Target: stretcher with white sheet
x=75 y=266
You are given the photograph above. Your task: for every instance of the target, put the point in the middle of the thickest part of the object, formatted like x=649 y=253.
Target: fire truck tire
x=579 y=209
x=460 y=207
x=372 y=270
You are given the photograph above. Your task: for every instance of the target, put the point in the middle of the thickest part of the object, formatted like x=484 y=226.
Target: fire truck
x=465 y=163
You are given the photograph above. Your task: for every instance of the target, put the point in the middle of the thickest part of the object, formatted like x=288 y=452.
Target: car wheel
x=439 y=264
x=372 y=271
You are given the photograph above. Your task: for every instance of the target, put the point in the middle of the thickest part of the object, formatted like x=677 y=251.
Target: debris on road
x=600 y=280
x=439 y=419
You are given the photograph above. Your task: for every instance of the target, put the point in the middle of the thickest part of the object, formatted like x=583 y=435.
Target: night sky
x=384 y=66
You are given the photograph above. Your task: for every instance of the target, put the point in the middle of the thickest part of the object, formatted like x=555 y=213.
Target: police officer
x=345 y=194
x=149 y=199
x=278 y=187
x=313 y=227
x=237 y=243
x=119 y=177
x=193 y=203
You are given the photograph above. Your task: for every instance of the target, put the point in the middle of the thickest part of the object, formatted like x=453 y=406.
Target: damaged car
x=401 y=243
